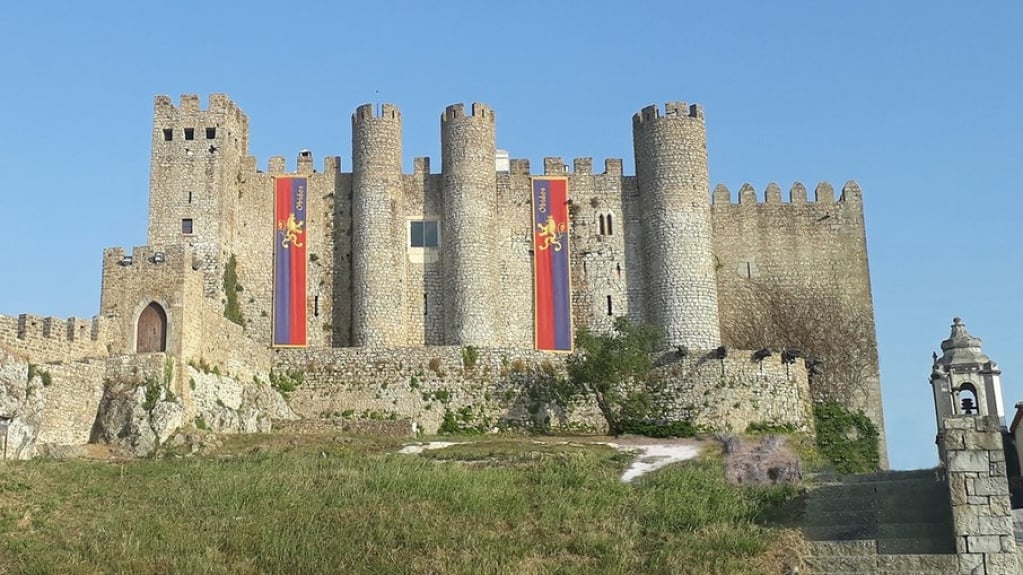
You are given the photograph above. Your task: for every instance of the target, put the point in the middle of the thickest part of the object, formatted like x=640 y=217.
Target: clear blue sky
x=920 y=102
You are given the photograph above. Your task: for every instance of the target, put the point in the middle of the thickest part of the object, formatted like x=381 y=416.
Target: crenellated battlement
x=47 y=339
x=824 y=194
x=457 y=112
x=190 y=104
x=672 y=110
x=366 y=112
x=421 y=166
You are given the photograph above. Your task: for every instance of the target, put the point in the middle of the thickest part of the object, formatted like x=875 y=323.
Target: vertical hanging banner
x=289 y=299
x=552 y=291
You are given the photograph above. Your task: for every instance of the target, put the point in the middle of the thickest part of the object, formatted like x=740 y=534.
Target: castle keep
x=405 y=271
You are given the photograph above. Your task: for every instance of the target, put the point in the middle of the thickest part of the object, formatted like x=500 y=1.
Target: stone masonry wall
x=671 y=169
x=72 y=399
x=196 y=155
x=420 y=384
x=807 y=258
x=328 y=267
x=470 y=262
x=979 y=490
x=50 y=339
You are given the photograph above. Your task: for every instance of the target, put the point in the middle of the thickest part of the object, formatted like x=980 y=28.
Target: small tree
x=613 y=368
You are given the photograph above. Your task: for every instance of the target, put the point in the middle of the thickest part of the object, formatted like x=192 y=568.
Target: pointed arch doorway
x=151 y=334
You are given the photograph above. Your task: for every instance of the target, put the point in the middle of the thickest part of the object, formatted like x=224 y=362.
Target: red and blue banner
x=552 y=288
x=289 y=299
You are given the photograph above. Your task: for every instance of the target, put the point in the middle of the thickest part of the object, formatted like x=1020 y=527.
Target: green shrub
x=153 y=393
x=469 y=357
x=849 y=440
x=286 y=382
x=232 y=310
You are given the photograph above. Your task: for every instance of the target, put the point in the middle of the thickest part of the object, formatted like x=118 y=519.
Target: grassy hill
x=305 y=504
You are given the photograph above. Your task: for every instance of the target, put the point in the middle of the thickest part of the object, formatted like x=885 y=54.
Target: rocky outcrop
x=137 y=416
x=22 y=400
x=141 y=416
x=226 y=405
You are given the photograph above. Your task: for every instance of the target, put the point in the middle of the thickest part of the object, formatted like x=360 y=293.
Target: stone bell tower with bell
x=965 y=380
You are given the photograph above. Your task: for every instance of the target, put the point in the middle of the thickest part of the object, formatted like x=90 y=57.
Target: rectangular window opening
x=189 y=133
x=168 y=134
x=426 y=307
x=424 y=234
x=189 y=197
x=610 y=307
x=211 y=133
x=316 y=306
x=186 y=226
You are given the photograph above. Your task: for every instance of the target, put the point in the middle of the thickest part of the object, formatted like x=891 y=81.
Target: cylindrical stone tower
x=468 y=152
x=378 y=230
x=671 y=169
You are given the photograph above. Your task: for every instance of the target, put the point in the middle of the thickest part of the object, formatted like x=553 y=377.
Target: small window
x=610 y=224
x=189 y=197
x=610 y=306
x=168 y=134
x=186 y=226
x=424 y=234
x=211 y=133
x=602 y=228
x=189 y=133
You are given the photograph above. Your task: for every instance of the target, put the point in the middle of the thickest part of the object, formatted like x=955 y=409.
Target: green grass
x=274 y=504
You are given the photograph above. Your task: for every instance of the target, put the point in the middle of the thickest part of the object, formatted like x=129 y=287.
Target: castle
x=399 y=274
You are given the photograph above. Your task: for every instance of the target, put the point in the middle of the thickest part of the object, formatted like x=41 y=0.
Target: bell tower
x=965 y=381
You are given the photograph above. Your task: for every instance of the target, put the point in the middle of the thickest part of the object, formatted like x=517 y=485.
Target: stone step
x=917 y=545
x=915 y=530
x=840 y=517
x=861 y=556
x=839 y=532
x=939 y=511
x=842 y=548
x=878 y=476
x=924 y=501
x=905 y=488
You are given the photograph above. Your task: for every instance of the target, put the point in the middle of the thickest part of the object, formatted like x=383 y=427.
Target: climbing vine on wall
x=848 y=439
x=232 y=309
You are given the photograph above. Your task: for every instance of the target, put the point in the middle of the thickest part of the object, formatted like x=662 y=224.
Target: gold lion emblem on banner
x=290 y=231
x=549 y=236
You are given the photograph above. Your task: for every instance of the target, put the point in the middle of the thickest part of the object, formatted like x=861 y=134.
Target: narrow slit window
x=610 y=306
x=168 y=134
x=186 y=226
x=316 y=306
x=211 y=133
x=189 y=133
x=189 y=197
x=618 y=270
x=610 y=225
x=426 y=305
x=601 y=217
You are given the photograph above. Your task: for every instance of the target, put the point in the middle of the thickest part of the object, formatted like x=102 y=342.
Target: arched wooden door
x=152 y=330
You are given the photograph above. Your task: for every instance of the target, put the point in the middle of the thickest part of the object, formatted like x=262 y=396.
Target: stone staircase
x=894 y=522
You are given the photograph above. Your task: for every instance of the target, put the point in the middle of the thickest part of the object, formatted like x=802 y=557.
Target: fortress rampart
x=424 y=264
x=52 y=339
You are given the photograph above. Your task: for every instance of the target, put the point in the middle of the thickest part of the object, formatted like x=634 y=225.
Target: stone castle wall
x=651 y=247
x=782 y=262
x=422 y=383
x=52 y=339
x=71 y=401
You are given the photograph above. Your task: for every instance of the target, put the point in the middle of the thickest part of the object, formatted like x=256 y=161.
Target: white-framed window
x=424 y=234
